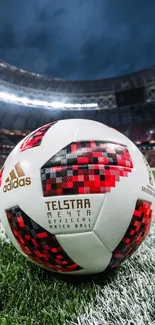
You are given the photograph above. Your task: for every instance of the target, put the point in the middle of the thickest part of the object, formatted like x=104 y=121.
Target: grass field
x=153 y=171
x=31 y=296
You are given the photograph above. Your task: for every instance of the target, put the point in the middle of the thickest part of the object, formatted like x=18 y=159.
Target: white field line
x=128 y=299
x=3 y=236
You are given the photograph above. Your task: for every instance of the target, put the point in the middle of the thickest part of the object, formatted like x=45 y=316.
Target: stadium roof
x=23 y=78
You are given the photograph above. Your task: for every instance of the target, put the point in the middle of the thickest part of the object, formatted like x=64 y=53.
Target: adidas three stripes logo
x=16 y=179
x=15 y=173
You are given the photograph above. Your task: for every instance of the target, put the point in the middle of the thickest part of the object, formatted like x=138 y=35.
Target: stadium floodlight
x=26 y=101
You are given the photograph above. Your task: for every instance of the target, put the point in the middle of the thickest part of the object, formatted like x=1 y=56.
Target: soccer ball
x=76 y=197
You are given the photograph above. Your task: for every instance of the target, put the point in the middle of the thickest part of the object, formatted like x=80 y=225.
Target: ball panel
x=116 y=213
x=34 y=139
x=87 y=250
x=135 y=234
x=56 y=214
x=85 y=167
x=119 y=204
x=91 y=152
x=37 y=243
x=90 y=129
x=70 y=214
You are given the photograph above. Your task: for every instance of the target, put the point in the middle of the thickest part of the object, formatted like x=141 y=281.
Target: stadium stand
x=149 y=153
x=151 y=158
x=28 y=100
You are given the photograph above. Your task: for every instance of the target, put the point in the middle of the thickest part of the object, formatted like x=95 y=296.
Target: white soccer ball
x=76 y=197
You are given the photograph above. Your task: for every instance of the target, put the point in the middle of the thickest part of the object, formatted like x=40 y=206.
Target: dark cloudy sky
x=78 y=39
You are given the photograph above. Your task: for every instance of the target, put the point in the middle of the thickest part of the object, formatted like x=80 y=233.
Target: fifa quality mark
x=69 y=214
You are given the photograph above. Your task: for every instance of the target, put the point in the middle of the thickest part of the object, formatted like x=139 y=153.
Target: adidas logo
x=16 y=179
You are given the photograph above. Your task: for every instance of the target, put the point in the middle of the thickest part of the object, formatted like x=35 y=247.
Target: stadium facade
x=29 y=100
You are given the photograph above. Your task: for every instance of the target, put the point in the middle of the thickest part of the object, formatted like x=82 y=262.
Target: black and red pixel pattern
x=85 y=167
x=135 y=234
x=38 y=244
x=34 y=139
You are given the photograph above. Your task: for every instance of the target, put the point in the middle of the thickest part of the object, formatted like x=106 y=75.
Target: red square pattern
x=1 y=174
x=38 y=244
x=135 y=234
x=34 y=139
x=85 y=167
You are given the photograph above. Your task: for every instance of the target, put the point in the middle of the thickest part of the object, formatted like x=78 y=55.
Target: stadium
x=125 y=103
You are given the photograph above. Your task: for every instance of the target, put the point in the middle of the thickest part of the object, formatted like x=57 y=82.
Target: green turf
x=29 y=295
x=153 y=171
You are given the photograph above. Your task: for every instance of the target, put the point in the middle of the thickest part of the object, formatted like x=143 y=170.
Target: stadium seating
x=2 y=160
x=150 y=156
x=142 y=132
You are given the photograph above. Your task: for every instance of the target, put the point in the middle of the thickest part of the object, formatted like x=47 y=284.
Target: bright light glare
x=12 y=98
